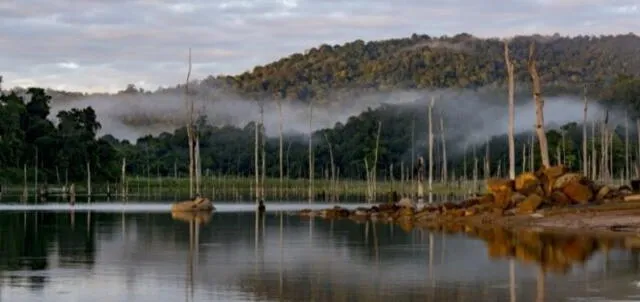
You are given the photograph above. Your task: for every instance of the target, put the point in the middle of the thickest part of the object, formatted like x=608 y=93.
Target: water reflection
x=276 y=257
x=195 y=221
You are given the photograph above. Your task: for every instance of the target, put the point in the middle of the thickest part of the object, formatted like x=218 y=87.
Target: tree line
x=64 y=150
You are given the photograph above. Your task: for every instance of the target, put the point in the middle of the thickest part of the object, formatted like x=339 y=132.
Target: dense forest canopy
x=609 y=65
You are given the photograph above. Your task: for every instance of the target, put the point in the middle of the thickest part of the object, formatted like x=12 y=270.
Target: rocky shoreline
x=551 y=198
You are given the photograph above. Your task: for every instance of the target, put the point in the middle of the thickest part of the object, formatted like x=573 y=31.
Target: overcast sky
x=102 y=45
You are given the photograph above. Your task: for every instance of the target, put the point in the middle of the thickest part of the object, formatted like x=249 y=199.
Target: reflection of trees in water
x=344 y=260
x=195 y=221
x=27 y=240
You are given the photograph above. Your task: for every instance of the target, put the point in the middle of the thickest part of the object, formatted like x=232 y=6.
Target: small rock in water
x=537 y=215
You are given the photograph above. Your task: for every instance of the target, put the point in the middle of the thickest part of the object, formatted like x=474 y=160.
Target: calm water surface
x=53 y=254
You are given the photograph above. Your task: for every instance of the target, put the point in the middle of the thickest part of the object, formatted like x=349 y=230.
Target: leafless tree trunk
x=197 y=160
x=524 y=157
x=190 y=130
x=605 y=147
x=420 y=178
x=464 y=163
x=585 y=157
x=281 y=146
x=431 y=150
x=124 y=178
x=487 y=161
x=263 y=142
x=445 y=176
x=532 y=157
x=539 y=101
x=256 y=163
x=375 y=160
x=638 y=155
x=511 y=88
x=311 y=172
x=88 y=180
x=413 y=151
x=333 y=167
x=594 y=155
x=627 y=162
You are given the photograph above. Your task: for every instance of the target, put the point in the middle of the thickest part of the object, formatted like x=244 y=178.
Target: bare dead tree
x=311 y=172
x=627 y=162
x=433 y=100
x=279 y=102
x=638 y=155
x=524 y=157
x=445 y=177
x=413 y=150
x=487 y=160
x=532 y=157
x=256 y=162
x=585 y=157
x=263 y=142
x=511 y=88
x=594 y=155
x=375 y=160
x=539 y=102
x=333 y=167
x=190 y=130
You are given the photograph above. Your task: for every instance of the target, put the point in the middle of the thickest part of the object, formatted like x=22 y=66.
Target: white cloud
x=117 y=42
x=68 y=65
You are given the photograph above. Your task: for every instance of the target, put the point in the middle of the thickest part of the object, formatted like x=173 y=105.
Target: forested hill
x=421 y=61
x=338 y=72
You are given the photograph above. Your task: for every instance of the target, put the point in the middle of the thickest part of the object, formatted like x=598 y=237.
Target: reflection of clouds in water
x=145 y=258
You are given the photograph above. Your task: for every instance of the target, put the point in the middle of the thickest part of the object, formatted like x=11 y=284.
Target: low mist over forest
x=351 y=87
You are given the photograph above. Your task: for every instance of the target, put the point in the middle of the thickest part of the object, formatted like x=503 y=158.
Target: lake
x=139 y=252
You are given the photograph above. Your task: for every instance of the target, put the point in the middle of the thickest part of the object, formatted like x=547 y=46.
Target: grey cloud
x=116 y=42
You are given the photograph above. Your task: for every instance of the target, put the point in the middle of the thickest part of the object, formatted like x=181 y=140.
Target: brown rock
x=422 y=215
x=632 y=198
x=554 y=171
x=531 y=204
x=502 y=199
x=549 y=177
x=406 y=203
x=470 y=212
x=486 y=199
x=517 y=198
x=602 y=193
x=405 y=212
x=578 y=192
x=501 y=189
x=560 y=199
x=565 y=179
x=526 y=182
x=498 y=185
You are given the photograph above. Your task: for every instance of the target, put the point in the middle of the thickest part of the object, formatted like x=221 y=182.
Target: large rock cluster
x=549 y=187
x=552 y=187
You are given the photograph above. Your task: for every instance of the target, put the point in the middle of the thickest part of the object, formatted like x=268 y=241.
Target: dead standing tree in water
x=279 y=103
x=419 y=171
x=191 y=133
x=371 y=170
x=433 y=100
x=311 y=161
x=539 y=102
x=585 y=154
x=263 y=146
x=511 y=88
